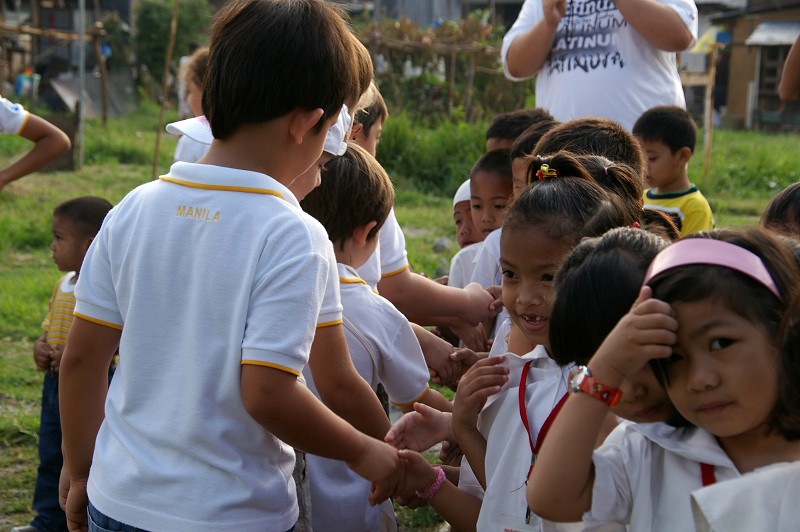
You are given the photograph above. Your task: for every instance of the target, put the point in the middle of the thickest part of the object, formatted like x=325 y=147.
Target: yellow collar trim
x=250 y=190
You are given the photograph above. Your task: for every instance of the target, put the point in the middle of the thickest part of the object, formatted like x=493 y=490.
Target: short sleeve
x=95 y=295
x=13 y=117
x=403 y=371
x=330 y=313
x=530 y=14
x=687 y=11
x=393 y=247
x=697 y=216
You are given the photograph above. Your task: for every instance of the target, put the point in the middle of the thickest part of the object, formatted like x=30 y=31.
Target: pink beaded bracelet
x=434 y=488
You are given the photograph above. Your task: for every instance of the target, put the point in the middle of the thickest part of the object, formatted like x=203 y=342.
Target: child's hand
x=473 y=337
x=648 y=331
x=497 y=293
x=554 y=11
x=418 y=475
x=481 y=381
x=443 y=370
x=419 y=430
x=42 y=353
x=77 y=501
x=380 y=464
x=63 y=487
x=55 y=359
x=450 y=454
x=480 y=307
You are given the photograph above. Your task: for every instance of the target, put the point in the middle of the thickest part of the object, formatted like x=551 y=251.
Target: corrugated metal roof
x=774 y=33
x=732 y=4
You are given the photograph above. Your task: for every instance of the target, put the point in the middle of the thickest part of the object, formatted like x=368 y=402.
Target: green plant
x=153 y=28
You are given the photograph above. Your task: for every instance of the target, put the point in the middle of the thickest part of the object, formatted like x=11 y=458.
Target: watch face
x=576 y=378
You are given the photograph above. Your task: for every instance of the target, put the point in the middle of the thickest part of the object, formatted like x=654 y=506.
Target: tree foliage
x=153 y=19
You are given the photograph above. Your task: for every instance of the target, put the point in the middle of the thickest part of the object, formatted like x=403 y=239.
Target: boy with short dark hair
x=668 y=135
x=352 y=203
x=211 y=281
x=75 y=224
x=506 y=127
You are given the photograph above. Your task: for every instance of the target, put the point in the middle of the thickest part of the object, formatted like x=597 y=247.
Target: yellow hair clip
x=546 y=171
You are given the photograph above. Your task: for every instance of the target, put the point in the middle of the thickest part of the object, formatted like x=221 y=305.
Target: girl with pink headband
x=708 y=319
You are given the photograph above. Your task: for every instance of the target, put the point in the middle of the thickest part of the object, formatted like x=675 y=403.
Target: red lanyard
x=707 y=474
x=523 y=413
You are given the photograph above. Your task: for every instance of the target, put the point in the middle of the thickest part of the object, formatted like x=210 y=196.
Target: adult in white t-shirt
x=601 y=58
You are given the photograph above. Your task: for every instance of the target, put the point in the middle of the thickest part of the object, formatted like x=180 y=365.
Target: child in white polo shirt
x=352 y=203
x=211 y=280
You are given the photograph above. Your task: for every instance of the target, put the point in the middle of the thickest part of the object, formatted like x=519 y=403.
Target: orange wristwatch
x=581 y=380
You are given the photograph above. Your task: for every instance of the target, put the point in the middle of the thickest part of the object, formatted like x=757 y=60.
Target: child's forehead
x=462 y=206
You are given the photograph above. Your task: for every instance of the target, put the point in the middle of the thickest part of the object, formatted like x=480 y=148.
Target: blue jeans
x=99 y=522
x=50 y=517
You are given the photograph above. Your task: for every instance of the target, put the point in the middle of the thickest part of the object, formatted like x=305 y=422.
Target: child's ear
x=302 y=121
x=684 y=154
x=361 y=233
x=355 y=130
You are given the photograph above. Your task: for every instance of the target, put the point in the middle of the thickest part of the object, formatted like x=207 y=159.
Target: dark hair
x=527 y=140
x=567 y=206
x=198 y=66
x=594 y=136
x=783 y=212
x=494 y=162
x=787 y=412
x=620 y=179
x=660 y=223
x=254 y=63
x=738 y=292
x=371 y=109
x=510 y=125
x=595 y=287
x=86 y=213
x=355 y=190
x=668 y=124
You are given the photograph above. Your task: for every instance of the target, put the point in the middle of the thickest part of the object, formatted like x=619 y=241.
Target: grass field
x=746 y=170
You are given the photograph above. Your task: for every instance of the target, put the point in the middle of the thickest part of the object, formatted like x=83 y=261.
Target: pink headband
x=713 y=252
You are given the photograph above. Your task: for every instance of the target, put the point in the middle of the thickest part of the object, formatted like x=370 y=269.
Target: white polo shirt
x=390 y=257
x=204 y=270
x=384 y=349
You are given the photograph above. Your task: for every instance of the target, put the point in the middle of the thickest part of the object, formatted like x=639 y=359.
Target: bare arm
x=420 y=296
x=789 y=89
x=529 y=51
x=341 y=387
x=83 y=383
x=288 y=409
x=49 y=143
x=658 y=24
x=433 y=399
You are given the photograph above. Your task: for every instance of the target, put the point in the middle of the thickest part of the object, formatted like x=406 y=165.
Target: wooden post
x=708 y=126
x=451 y=83
x=101 y=65
x=470 y=88
x=165 y=83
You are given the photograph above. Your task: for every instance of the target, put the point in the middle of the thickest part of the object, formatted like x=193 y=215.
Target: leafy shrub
x=436 y=159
